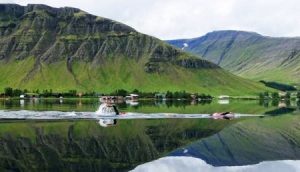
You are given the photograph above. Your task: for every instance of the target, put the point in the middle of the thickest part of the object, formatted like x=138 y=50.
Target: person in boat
x=223 y=115
x=108 y=109
x=116 y=109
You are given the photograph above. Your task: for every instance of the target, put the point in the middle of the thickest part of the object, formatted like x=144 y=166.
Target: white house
x=224 y=97
x=132 y=97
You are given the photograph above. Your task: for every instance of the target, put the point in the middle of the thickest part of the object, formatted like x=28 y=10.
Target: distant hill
x=249 y=54
x=65 y=48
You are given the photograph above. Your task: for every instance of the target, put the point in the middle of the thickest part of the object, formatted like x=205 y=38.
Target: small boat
x=107 y=109
x=223 y=115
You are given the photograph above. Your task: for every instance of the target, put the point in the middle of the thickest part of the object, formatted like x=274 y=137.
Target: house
x=160 y=96
x=224 y=97
x=194 y=96
x=31 y=95
x=115 y=99
x=132 y=97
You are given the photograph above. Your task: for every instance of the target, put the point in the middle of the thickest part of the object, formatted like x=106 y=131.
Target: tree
x=298 y=94
x=72 y=93
x=169 y=95
x=135 y=91
x=120 y=92
x=8 y=91
x=17 y=92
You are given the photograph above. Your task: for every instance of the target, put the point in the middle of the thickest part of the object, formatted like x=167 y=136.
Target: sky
x=174 y=19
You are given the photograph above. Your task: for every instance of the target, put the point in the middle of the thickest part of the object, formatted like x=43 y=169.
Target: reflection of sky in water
x=189 y=164
x=269 y=144
x=223 y=102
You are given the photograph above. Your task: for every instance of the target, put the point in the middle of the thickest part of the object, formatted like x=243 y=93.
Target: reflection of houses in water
x=223 y=101
x=132 y=103
x=80 y=103
x=194 y=102
x=22 y=102
x=132 y=99
x=34 y=100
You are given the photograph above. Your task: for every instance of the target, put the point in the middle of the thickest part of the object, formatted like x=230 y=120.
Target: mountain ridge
x=66 y=48
x=249 y=54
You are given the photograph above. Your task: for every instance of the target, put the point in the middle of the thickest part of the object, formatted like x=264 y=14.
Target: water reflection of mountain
x=281 y=111
x=85 y=146
x=249 y=142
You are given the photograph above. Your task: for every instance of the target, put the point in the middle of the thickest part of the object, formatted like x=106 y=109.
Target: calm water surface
x=151 y=144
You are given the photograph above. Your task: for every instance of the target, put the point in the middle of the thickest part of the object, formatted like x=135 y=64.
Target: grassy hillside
x=66 y=48
x=127 y=74
x=249 y=55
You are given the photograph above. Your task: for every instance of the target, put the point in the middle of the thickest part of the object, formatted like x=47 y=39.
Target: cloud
x=169 y=19
x=189 y=164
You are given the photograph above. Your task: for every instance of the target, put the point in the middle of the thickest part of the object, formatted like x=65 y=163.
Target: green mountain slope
x=249 y=54
x=65 y=48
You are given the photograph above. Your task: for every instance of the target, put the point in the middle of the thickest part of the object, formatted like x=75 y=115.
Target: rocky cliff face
x=65 y=48
x=69 y=34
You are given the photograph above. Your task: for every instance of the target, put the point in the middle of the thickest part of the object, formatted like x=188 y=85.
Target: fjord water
x=84 y=145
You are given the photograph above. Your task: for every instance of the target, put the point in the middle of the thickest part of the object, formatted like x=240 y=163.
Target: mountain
x=65 y=48
x=249 y=54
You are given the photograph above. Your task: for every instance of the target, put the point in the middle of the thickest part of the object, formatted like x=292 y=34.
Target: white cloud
x=189 y=164
x=169 y=19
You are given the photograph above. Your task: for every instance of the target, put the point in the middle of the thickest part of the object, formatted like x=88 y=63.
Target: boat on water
x=107 y=109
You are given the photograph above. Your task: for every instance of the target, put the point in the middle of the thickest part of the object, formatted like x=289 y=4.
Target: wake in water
x=25 y=114
x=107 y=114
